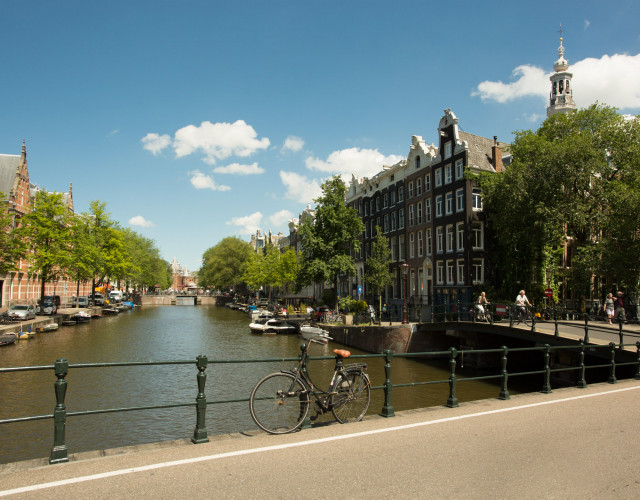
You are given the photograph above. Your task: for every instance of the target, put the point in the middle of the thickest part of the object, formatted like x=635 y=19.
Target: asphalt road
x=573 y=443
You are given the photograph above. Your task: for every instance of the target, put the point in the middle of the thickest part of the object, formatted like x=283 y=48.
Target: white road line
x=92 y=477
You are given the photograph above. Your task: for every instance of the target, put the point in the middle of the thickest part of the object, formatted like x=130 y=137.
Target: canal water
x=172 y=333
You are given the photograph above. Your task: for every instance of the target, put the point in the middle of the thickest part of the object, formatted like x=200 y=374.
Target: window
x=427 y=210
x=438 y=174
x=393 y=198
x=386 y=200
x=448 y=174
x=412 y=284
x=360 y=207
x=417 y=162
x=450 y=238
x=419 y=210
x=392 y=241
x=420 y=244
x=377 y=203
x=411 y=215
x=410 y=190
x=460 y=272
x=373 y=206
x=440 y=272
x=401 y=247
x=460 y=200
x=439 y=239
x=418 y=186
x=450 y=272
x=459 y=169
x=478 y=271
x=477 y=236
x=401 y=193
x=366 y=208
x=429 y=242
x=401 y=218
x=460 y=236
x=411 y=255
x=439 y=206
x=447 y=150
x=386 y=223
x=449 y=203
x=476 y=199
x=366 y=230
x=394 y=221
x=427 y=183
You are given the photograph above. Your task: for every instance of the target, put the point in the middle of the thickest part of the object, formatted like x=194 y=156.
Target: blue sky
x=197 y=120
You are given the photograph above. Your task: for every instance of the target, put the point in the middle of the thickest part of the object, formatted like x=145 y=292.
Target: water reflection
x=172 y=334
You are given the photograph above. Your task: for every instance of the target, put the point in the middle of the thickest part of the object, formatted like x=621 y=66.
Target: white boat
x=308 y=331
x=81 y=317
x=261 y=314
x=271 y=326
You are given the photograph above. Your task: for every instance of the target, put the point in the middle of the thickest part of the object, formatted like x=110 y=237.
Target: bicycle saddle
x=342 y=353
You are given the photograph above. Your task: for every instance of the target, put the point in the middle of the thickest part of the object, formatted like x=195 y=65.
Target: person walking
x=609 y=307
x=619 y=308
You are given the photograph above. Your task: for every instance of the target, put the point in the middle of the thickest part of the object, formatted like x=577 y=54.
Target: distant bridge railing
x=61 y=368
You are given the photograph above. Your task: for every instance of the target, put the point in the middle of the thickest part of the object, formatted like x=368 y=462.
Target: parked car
x=22 y=312
x=115 y=296
x=97 y=299
x=48 y=307
x=81 y=302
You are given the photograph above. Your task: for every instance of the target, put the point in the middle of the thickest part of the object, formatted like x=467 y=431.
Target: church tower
x=561 y=97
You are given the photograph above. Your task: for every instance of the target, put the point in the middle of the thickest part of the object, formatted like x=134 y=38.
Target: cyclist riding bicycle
x=521 y=302
x=482 y=301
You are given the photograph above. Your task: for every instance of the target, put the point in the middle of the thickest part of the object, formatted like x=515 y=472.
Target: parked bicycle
x=280 y=402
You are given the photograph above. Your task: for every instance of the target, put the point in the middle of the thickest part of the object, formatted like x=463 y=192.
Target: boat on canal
x=8 y=338
x=80 y=317
x=307 y=332
x=271 y=327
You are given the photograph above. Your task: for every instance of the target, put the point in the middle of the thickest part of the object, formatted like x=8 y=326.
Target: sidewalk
x=573 y=443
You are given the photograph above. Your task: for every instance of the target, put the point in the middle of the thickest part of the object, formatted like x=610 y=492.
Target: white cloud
x=236 y=168
x=155 y=142
x=611 y=80
x=114 y=132
x=203 y=181
x=218 y=141
x=280 y=218
x=360 y=162
x=587 y=23
x=293 y=144
x=139 y=220
x=299 y=188
x=531 y=81
x=248 y=224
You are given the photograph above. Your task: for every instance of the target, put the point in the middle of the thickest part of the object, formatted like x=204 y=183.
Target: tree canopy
x=577 y=180
x=223 y=264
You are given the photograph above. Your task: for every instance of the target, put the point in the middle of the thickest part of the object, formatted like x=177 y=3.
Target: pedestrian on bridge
x=609 y=307
x=619 y=304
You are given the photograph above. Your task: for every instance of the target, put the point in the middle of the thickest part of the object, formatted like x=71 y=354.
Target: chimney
x=496 y=155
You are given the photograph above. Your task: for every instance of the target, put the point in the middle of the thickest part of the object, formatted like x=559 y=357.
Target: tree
x=377 y=273
x=12 y=248
x=271 y=268
x=81 y=251
x=328 y=238
x=47 y=230
x=575 y=180
x=223 y=264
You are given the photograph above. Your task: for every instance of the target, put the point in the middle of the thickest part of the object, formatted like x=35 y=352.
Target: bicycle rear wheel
x=350 y=401
x=279 y=403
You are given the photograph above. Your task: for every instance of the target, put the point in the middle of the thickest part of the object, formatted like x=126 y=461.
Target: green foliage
x=329 y=297
x=329 y=236
x=12 y=248
x=377 y=274
x=576 y=179
x=223 y=265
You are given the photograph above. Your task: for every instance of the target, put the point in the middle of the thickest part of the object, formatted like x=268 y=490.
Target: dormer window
x=447 y=150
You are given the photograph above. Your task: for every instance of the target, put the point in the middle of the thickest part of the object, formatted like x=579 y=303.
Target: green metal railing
x=59 y=452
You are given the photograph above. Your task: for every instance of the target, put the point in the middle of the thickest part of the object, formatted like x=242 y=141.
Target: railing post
x=637 y=377
x=582 y=383
x=493 y=312
x=546 y=387
x=200 y=432
x=504 y=390
x=620 y=334
x=586 y=332
x=59 y=450
x=533 y=319
x=452 y=402
x=555 y=318
x=612 y=373
x=387 y=409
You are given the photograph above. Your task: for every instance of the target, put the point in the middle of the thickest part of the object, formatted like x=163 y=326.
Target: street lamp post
x=405 y=271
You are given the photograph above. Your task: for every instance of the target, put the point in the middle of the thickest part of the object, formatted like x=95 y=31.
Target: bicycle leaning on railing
x=279 y=403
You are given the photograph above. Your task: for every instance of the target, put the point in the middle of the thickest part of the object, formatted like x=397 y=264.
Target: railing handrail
x=62 y=367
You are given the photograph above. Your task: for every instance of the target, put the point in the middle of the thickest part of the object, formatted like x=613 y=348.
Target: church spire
x=561 y=96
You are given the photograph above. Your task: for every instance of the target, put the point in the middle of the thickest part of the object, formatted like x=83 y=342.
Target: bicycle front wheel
x=351 y=397
x=279 y=403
